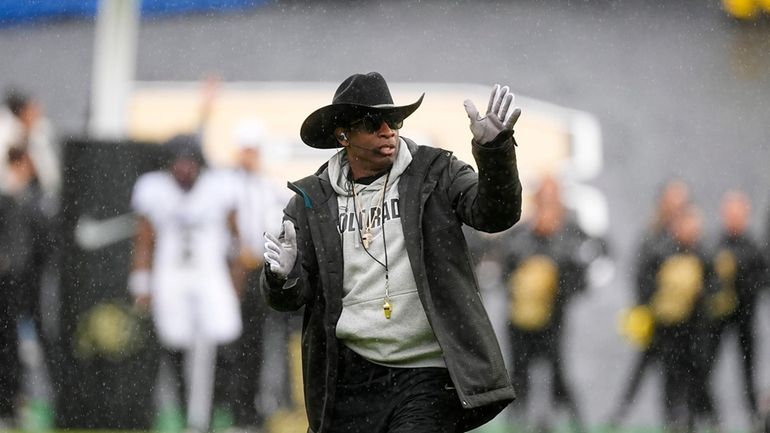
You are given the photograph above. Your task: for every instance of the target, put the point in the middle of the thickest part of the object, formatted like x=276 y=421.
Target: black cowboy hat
x=357 y=95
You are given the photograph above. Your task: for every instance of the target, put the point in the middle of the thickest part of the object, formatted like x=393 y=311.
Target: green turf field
x=37 y=417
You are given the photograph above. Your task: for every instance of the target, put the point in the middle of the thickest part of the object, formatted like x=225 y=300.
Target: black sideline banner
x=108 y=356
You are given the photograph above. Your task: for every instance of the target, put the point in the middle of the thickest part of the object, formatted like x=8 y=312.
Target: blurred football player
x=182 y=268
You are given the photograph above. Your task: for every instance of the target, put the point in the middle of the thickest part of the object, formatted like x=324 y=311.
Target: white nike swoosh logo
x=92 y=234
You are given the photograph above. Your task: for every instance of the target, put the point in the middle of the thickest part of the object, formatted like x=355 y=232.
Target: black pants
x=744 y=329
x=645 y=360
x=528 y=347
x=684 y=353
x=375 y=399
x=10 y=364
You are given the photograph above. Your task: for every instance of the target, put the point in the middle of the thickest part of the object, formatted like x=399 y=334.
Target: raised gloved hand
x=281 y=255
x=501 y=115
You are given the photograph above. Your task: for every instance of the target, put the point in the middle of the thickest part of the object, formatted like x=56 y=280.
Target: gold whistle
x=387 y=309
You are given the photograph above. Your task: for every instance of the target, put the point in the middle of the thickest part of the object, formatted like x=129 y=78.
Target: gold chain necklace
x=367 y=238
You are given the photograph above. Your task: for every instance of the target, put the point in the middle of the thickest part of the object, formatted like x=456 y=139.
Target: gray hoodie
x=406 y=339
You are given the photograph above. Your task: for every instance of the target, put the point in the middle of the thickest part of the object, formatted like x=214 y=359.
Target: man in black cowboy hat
x=395 y=336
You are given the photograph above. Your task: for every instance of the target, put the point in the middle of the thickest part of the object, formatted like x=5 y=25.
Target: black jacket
x=563 y=247
x=687 y=275
x=747 y=275
x=438 y=194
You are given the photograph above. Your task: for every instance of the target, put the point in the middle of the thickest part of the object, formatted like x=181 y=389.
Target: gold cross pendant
x=387 y=309
x=366 y=238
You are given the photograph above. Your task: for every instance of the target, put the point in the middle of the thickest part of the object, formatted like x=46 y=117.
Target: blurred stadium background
x=654 y=90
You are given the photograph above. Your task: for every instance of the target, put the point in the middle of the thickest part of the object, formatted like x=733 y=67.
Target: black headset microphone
x=344 y=137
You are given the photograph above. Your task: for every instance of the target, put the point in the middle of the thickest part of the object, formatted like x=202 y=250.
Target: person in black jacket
x=25 y=247
x=395 y=335
x=13 y=256
x=743 y=272
x=543 y=269
x=683 y=282
x=673 y=199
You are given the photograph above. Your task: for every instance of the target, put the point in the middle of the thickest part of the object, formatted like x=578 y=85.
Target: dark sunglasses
x=371 y=123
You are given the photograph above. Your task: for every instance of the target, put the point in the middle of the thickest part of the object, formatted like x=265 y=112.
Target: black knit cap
x=357 y=95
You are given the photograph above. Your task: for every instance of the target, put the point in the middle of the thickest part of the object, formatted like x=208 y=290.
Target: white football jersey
x=192 y=290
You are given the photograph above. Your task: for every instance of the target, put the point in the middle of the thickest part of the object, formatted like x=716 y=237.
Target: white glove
x=501 y=115
x=281 y=255
x=139 y=282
